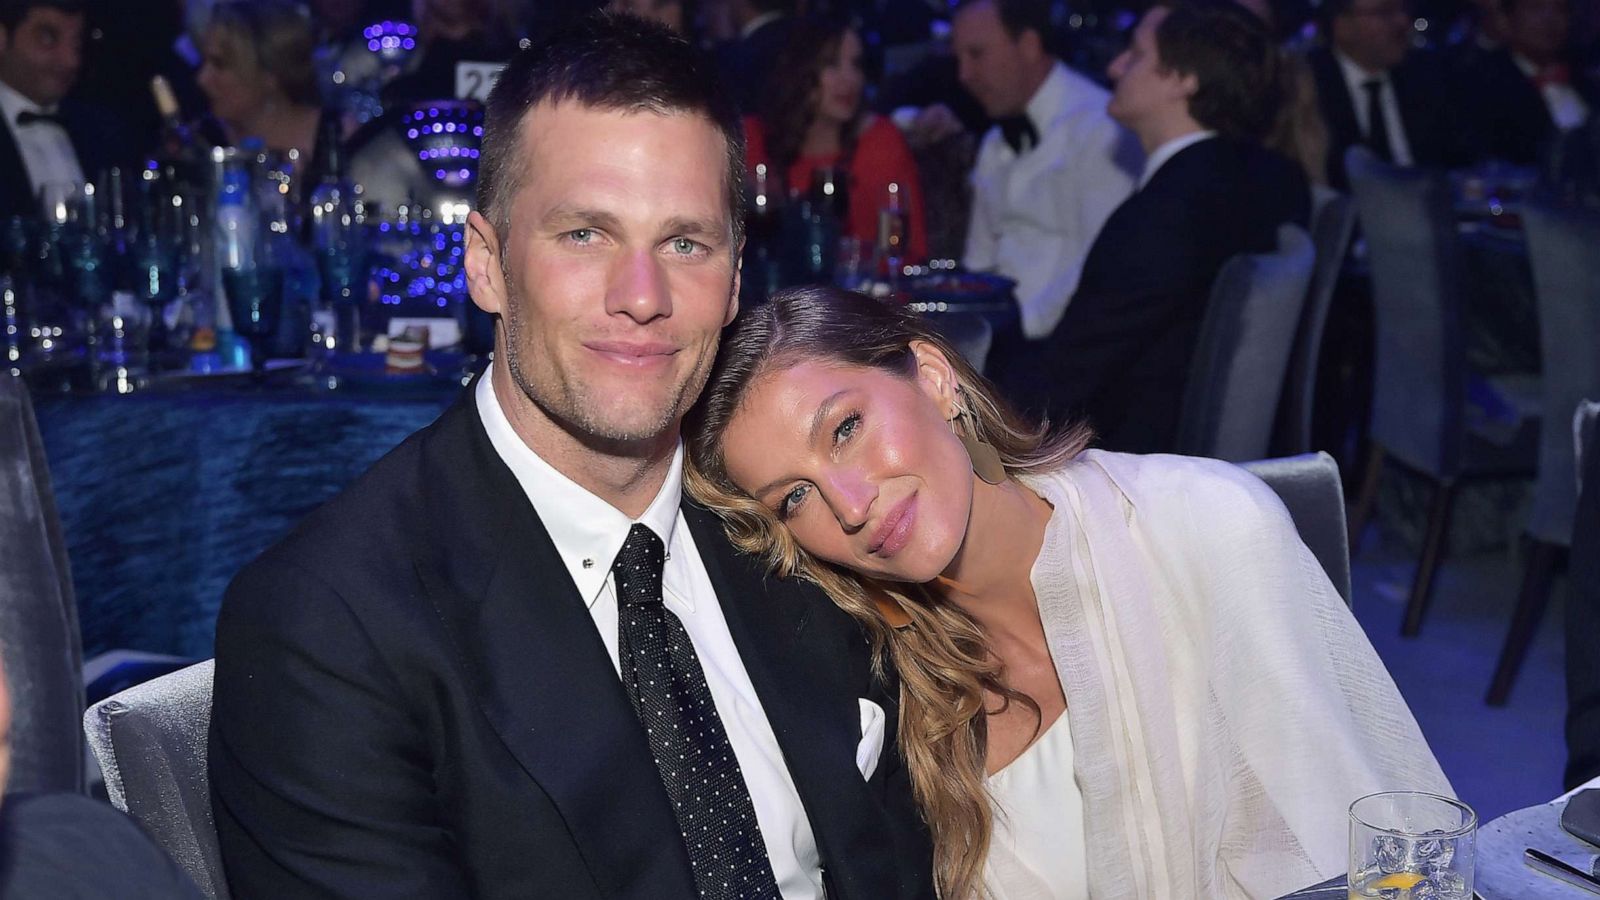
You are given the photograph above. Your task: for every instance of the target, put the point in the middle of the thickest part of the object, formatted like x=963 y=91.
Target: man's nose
x=1114 y=70
x=638 y=287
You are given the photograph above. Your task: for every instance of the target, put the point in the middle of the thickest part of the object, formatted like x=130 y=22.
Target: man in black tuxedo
x=434 y=687
x=1531 y=92
x=745 y=61
x=1374 y=89
x=46 y=138
x=1196 y=87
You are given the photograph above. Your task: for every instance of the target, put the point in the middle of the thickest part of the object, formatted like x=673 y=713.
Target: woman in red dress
x=814 y=119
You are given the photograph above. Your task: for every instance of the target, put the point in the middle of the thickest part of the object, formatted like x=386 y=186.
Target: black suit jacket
x=412 y=700
x=1120 y=354
x=1512 y=122
x=745 y=64
x=1422 y=90
x=97 y=138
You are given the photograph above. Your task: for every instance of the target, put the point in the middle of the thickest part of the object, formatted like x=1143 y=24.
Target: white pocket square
x=871 y=746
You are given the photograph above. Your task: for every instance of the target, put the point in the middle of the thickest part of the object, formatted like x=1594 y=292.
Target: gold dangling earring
x=985 y=458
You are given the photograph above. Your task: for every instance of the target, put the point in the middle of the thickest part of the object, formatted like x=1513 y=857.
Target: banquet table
x=164 y=494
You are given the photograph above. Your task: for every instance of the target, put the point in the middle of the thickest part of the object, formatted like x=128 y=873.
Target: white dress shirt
x=1166 y=151
x=1035 y=215
x=1355 y=80
x=46 y=149
x=588 y=533
x=1565 y=104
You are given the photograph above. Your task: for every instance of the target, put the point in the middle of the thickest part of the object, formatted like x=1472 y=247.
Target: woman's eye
x=792 y=500
x=847 y=428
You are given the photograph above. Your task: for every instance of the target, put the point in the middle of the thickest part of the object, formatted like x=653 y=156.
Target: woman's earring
x=985 y=458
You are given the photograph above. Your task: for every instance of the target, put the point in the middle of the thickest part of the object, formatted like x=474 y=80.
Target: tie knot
x=29 y=117
x=638 y=567
x=1019 y=133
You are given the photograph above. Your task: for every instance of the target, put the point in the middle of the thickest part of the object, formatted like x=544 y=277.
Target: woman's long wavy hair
x=945 y=667
x=791 y=104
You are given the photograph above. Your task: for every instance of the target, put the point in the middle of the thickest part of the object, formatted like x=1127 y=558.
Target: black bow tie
x=1019 y=133
x=28 y=117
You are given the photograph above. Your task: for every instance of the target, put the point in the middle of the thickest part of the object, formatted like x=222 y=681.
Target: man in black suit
x=1196 y=87
x=1374 y=89
x=745 y=61
x=45 y=138
x=434 y=687
x=1531 y=92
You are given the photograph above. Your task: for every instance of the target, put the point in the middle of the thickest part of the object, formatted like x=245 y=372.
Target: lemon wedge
x=1402 y=880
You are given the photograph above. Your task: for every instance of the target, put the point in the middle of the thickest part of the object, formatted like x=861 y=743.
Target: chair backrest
x=1564 y=250
x=151 y=743
x=970 y=333
x=1331 y=227
x=1309 y=486
x=1419 y=359
x=40 y=644
x=1585 y=436
x=1236 y=375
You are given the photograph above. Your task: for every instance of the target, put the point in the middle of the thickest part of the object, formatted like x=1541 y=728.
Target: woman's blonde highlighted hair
x=941 y=655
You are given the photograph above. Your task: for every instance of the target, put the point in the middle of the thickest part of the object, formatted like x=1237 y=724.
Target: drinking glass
x=1407 y=845
x=255 y=301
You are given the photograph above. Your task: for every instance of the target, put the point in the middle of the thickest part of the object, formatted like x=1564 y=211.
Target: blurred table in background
x=166 y=493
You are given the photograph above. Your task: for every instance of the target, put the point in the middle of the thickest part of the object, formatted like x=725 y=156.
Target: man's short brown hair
x=1233 y=58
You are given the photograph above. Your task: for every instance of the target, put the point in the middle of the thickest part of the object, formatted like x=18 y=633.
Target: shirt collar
x=1167 y=151
x=12 y=103
x=752 y=26
x=583 y=527
x=1354 y=75
x=1050 y=98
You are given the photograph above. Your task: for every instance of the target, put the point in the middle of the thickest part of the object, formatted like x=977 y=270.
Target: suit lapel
x=801 y=670
x=16 y=194
x=540 y=669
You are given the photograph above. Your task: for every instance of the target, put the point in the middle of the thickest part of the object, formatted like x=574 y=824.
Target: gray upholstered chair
x=1419 y=415
x=1237 y=374
x=1331 y=227
x=1564 y=249
x=151 y=743
x=970 y=333
x=39 y=639
x=1310 y=487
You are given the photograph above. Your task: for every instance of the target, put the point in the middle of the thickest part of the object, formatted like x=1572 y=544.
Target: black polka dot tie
x=691 y=749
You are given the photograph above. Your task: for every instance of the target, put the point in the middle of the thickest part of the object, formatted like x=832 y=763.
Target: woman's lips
x=894 y=532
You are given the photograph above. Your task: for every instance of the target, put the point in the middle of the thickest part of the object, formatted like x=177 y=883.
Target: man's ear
x=936 y=376
x=1031 y=45
x=486 y=281
x=738 y=280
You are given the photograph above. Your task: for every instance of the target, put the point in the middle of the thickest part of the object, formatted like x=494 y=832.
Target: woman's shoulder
x=1191 y=486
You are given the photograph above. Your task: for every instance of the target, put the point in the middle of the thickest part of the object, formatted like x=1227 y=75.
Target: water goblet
x=255 y=301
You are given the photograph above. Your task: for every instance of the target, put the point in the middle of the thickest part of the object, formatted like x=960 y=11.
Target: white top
x=1037 y=851
x=588 y=533
x=1355 y=79
x=1565 y=104
x=1168 y=150
x=1225 y=708
x=46 y=149
x=1034 y=216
